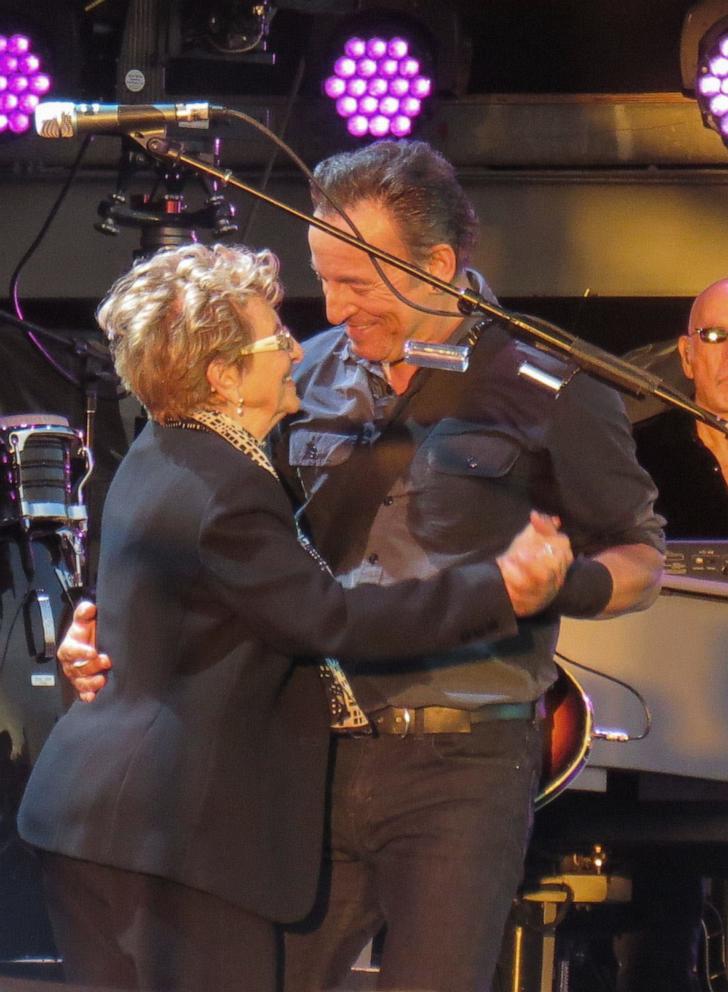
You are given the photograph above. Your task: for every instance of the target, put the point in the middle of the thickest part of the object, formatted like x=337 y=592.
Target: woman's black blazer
x=204 y=758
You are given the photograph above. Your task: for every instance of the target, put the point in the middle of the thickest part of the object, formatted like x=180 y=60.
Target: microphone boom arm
x=596 y=361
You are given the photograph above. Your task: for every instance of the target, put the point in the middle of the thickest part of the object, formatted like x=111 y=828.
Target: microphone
x=67 y=120
x=447 y=357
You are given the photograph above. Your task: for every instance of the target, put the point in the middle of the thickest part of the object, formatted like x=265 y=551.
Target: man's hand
x=80 y=661
x=535 y=564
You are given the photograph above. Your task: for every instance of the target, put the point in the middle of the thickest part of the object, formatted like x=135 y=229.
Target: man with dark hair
x=400 y=472
x=419 y=187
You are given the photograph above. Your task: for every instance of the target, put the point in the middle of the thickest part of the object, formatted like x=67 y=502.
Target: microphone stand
x=164 y=221
x=597 y=362
x=29 y=328
x=97 y=373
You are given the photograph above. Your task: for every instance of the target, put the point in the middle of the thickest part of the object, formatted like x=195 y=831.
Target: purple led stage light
x=409 y=68
x=345 y=67
x=22 y=83
x=346 y=106
x=368 y=105
x=357 y=86
x=28 y=64
x=335 y=87
x=376 y=48
x=27 y=103
x=389 y=67
x=397 y=48
x=401 y=126
x=378 y=86
x=358 y=125
x=366 y=68
x=399 y=86
x=421 y=87
x=711 y=85
x=410 y=106
x=355 y=48
x=719 y=66
x=379 y=126
x=17 y=84
x=19 y=44
x=8 y=64
x=8 y=102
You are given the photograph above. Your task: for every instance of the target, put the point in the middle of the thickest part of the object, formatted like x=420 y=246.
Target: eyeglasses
x=282 y=340
x=712 y=335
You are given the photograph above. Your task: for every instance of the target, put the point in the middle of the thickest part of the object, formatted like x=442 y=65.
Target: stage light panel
x=711 y=78
x=23 y=82
x=378 y=84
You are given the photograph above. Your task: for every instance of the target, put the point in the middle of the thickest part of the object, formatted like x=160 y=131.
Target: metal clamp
x=407 y=716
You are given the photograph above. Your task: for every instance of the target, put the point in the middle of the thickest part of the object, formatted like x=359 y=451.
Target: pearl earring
x=239 y=407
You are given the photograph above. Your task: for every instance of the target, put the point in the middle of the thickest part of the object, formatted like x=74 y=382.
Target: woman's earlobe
x=212 y=377
x=221 y=376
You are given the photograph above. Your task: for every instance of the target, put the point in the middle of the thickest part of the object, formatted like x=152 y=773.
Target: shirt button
x=388 y=500
x=472 y=462
x=373 y=558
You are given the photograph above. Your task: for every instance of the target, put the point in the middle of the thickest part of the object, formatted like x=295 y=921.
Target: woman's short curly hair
x=176 y=311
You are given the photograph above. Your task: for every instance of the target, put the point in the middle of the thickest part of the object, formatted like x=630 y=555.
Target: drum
x=39 y=456
x=37 y=453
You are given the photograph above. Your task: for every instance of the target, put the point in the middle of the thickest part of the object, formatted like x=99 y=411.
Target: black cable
x=625 y=685
x=293 y=93
x=23 y=602
x=15 y=277
x=83 y=348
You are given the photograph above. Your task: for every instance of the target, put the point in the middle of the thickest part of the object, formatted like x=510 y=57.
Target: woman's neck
x=250 y=421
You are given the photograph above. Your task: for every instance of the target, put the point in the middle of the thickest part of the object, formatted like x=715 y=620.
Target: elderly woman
x=180 y=815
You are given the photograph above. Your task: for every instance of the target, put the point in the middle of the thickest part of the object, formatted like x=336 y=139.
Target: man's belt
x=403 y=720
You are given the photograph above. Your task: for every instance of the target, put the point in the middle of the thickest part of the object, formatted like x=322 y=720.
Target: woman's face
x=266 y=386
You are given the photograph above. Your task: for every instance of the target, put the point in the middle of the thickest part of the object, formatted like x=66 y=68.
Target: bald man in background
x=688 y=461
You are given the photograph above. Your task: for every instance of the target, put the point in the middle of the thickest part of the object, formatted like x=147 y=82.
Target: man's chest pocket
x=312 y=453
x=481 y=455
x=472 y=487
